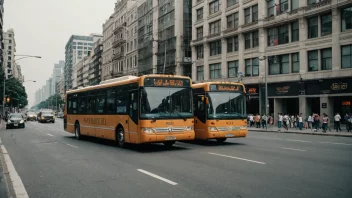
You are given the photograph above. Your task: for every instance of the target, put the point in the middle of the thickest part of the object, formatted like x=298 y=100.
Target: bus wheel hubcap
x=121 y=136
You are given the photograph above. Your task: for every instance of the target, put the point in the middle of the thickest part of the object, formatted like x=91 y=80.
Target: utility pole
x=164 y=58
x=263 y=58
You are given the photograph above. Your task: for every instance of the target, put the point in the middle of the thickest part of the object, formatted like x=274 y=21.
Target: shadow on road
x=212 y=143
x=141 y=148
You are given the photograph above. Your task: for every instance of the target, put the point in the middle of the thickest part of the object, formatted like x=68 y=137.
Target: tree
x=50 y=102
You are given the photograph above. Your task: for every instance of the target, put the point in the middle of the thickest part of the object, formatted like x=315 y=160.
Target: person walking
x=349 y=123
x=279 y=123
x=286 y=121
x=251 y=120
x=316 y=122
x=264 y=118
x=337 y=119
x=257 y=120
x=300 y=121
x=325 y=122
x=310 y=122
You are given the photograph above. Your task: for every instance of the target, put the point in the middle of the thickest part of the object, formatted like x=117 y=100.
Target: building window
x=273 y=37
x=255 y=13
x=271 y=7
x=214 y=27
x=313 y=27
x=232 y=21
x=247 y=40
x=215 y=48
x=313 y=60
x=283 y=34
x=326 y=59
x=232 y=69
x=294 y=4
x=295 y=62
x=346 y=19
x=200 y=32
x=295 y=31
x=247 y=15
x=232 y=44
x=326 y=24
x=214 y=7
x=215 y=71
x=199 y=14
x=200 y=72
x=310 y=2
x=346 y=56
x=231 y=2
x=200 y=52
x=279 y=64
x=283 y=5
x=252 y=67
x=255 y=38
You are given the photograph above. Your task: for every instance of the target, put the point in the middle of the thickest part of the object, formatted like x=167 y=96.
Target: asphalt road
x=51 y=163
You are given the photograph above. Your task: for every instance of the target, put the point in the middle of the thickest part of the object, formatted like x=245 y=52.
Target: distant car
x=60 y=114
x=15 y=120
x=46 y=116
x=31 y=116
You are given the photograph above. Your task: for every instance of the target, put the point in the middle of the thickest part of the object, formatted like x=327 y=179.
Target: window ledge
x=230 y=30
x=199 y=22
x=249 y=24
x=232 y=7
x=218 y=13
x=200 y=2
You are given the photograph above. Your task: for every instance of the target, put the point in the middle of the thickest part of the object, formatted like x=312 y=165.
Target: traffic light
x=8 y=99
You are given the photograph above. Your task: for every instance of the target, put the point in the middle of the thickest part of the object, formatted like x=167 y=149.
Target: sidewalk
x=274 y=129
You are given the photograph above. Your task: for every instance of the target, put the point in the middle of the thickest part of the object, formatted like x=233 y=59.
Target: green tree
x=50 y=102
x=14 y=90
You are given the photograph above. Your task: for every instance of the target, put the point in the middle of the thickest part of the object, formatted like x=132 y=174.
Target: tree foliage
x=50 y=102
x=14 y=90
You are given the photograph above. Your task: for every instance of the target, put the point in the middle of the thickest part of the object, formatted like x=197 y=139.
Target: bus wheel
x=77 y=132
x=169 y=143
x=120 y=137
x=220 y=140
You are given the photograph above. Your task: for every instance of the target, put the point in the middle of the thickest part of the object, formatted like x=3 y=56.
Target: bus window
x=110 y=101
x=100 y=103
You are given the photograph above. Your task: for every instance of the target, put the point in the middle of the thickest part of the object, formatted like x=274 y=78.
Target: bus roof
x=206 y=84
x=124 y=80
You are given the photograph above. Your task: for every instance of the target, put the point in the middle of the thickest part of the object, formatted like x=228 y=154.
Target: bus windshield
x=226 y=105
x=166 y=102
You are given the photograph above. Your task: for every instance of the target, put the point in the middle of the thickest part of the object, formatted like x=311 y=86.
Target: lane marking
x=15 y=180
x=336 y=143
x=297 y=140
x=293 y=149
x=50 y=135
x=228 y=156
x=157 y=177
x=71 y=145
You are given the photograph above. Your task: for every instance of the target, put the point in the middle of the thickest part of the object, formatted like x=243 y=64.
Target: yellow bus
x=130 y=109
x=219 y=110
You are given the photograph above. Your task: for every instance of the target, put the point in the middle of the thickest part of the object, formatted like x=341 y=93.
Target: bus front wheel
x=169 y=143
x=120 y=136
x=220 y=140
x=77 y=132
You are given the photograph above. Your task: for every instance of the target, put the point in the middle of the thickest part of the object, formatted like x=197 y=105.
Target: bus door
x=200 y=106
x=132 y=135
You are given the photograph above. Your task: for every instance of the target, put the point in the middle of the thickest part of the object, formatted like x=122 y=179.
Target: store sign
x=252 y=90
x=283 y=89
x=346 y=103
x=329 y=86
x=323 y=105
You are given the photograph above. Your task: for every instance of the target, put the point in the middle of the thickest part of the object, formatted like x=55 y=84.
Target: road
x=52 y=163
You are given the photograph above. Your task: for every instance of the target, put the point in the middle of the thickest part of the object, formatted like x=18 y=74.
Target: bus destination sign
x=228 y=87
x=166 y=82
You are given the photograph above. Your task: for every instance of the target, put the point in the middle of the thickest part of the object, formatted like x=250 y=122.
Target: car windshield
x=47 y=113
x=30 y=113
x=166 y=102
x=226 y=105
x=16 y=116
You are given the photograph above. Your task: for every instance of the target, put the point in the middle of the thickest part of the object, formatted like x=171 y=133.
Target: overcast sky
x=42 y=28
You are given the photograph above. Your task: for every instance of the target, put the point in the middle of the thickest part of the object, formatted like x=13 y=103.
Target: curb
x=312 y=133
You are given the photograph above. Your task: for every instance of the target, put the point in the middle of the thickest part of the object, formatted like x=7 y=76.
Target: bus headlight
x=243 y=127
x=148 y=130
x=22 y=121
x=189 y=128
x=42 y=117
x=213 y=129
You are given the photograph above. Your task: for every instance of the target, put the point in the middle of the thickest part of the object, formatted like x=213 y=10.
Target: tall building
x=9 y=53
x=56 y=76
x=108 y=28
x=76 y=48
x=168 y=30
x=96 y=63
x=131 y=40
x=2 y=47
x=306 y=47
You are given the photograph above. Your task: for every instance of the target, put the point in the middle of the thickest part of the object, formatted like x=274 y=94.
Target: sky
x=43 y=27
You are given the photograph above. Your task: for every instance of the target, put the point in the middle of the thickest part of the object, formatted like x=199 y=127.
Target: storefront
x=252 y=99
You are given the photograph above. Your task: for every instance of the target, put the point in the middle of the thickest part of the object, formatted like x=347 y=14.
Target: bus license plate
x=230 y=135
x=15 y=124
x=170 y=138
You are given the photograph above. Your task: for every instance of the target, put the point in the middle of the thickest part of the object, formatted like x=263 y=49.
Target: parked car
x=15 y=120
x=46 y=116
x=31 y=116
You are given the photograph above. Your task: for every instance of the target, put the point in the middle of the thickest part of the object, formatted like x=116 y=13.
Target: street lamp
x=24 y=56
x=30 y=81
x=263 y=58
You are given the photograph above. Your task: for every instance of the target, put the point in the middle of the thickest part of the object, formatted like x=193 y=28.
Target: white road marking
x=71 y=145
x=237 y=158
x=50 y=135
x=293 y=149
x=335 y=143
x=16 y=181
x=297 y=140
x=157 y=177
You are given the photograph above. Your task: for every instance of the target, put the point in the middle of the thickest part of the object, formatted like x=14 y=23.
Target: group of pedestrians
x=290 y=121
x=260 y=121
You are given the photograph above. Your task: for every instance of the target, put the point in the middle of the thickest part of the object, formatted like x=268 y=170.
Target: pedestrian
x=337 y=119
x=257 y=120
x=286 y=121
x=300 y=121
x=316 y=122
x=270 y=120
x=279 y=123
x=349 y=123
x=310 y=122
x=251 y=120
x=325 y=122
x=264 y=120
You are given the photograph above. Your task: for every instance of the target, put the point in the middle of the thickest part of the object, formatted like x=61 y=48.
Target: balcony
x=121 y=27
x=115 y=74
x=118 y=42
x=118 y=55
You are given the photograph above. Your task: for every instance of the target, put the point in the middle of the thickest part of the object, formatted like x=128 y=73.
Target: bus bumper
x=150 y=138
x=228 y=134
